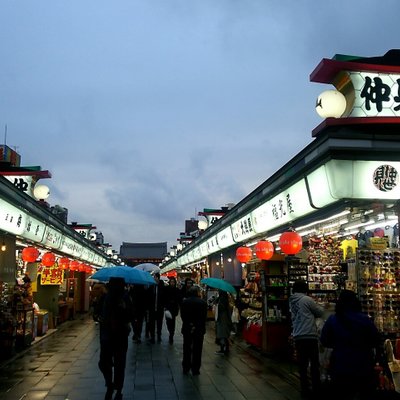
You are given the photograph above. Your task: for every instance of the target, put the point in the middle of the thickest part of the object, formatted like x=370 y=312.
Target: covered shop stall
x=33 y=245
x=339 y=196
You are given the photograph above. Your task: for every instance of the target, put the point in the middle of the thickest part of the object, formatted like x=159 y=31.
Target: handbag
x=235 y=315
x=168 y=314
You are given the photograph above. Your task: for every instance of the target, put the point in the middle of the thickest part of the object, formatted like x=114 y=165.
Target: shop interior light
x=307 y=232
x=375 y=225
x=359 y=225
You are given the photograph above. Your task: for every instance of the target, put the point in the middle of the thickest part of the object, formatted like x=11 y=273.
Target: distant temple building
x=137 y=253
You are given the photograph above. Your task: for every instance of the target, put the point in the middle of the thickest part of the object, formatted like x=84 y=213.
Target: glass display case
x=24 y=318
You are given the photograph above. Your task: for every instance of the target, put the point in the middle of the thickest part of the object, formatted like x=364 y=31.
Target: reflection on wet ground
x=64 y=366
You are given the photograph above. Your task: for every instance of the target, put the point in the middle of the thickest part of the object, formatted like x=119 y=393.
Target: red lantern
x=48 y=259
x=63 y=263
x=74 y=265
x=30 y=254
x=243 y=254
x=290 y=243
x=82 y=267
x=264 y=250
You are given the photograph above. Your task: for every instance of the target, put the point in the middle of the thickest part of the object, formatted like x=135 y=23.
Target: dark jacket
x=156 y=297
x=171 y=299
x=194 y=316
x=223 y=326
x=353 y=337
x=114 y=312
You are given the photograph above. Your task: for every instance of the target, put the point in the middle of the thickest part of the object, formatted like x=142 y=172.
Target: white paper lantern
x=41 y=192
x=331 y=104
x=202 y=224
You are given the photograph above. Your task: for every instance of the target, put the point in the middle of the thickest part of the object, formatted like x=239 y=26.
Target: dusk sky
x=146 y=112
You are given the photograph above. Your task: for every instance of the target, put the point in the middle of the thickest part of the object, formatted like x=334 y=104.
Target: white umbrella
x=148 y=267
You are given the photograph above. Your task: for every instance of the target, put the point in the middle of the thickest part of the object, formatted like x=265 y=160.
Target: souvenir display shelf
x=274 y=282
x=324 y=264
x=251 y=298
x=379 y=287
x=7 y=322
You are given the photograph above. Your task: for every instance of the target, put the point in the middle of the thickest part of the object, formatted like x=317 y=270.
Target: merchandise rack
x=378 y=283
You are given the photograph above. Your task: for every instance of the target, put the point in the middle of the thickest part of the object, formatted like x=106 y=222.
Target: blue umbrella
x=130 y=275
x=217 y=283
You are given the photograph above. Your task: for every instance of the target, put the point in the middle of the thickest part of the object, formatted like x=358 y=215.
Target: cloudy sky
x=147 y=111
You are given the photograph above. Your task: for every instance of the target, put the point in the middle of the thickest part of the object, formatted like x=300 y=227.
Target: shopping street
x=63 y=365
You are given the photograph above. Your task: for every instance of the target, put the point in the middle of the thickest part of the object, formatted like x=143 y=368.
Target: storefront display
x=251 y=311
x=8 y=324
x=379 y=287
x=25 y=321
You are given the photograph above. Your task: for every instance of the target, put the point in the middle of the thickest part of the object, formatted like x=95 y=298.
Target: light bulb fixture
x=3 y=246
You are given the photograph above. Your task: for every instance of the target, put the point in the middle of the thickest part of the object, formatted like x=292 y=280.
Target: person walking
x=171 y=300
x=354 y=340
x=223 y=322
x=194 y=317
x=138 y=296
x=114 y=313
x=304 y=312
x=156 y=308
x=183 y=291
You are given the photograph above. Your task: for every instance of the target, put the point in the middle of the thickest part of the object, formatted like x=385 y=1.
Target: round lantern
x=81 y=267
x=290 y=243
x=30 y=254
x=243 y=254
x=41 y=192
x=48 y=259
x=74 y=265
x=63 y=263
x=264 y=250
x=331 y=104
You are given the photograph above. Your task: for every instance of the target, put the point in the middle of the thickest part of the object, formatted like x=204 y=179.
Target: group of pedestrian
x=351 y=336
x=118 y=308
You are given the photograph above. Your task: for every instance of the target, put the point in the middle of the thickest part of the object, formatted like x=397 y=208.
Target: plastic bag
x=168 y=314
x=235 y=315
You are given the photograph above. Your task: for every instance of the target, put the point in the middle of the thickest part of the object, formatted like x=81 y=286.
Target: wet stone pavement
x=63 y=366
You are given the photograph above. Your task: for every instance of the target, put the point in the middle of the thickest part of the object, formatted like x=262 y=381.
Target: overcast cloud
x=146 y=112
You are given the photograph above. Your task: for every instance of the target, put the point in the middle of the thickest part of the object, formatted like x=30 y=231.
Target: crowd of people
x=120 y=309
x=350 y=335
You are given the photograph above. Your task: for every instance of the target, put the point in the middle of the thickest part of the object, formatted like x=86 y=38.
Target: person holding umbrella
x=194 y=317
x=115 y=312
x=223 y=322
x=171 y=306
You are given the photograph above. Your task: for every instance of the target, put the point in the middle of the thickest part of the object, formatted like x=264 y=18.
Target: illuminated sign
x=12 y=219
x=242 y=229
x=288 y=205
x=375 y=94
x=225 y=238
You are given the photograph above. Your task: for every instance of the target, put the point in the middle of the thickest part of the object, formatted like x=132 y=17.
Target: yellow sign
x=51 y=275
x=378 y=243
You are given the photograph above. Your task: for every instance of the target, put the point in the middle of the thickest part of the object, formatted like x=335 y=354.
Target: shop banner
x=52 y=238
x=34 y=229
x=225 y=238
x=375 y=94
x=243 y=229
x=212 y=244
x=12 y=219
x=287 y=206
x=353 y=179
x=204 y=252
